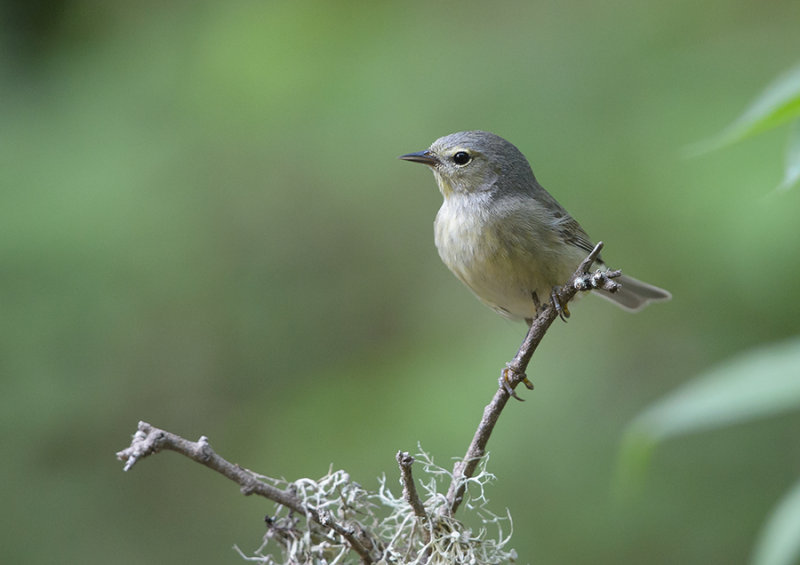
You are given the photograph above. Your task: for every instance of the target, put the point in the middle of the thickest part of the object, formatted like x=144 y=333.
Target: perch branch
x=514 y=372
x=149 y=440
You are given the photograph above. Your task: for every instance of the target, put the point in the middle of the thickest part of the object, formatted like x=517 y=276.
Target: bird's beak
x=425 y=157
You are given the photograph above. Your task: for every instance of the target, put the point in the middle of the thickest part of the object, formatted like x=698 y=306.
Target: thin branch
x=149 y=440
x=404 y=460
x=514 y=372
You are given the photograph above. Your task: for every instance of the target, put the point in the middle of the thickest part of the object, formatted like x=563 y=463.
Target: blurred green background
x=204 y=225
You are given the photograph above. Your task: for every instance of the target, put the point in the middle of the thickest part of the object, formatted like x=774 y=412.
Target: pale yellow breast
x=498 y=265
x=502 y=254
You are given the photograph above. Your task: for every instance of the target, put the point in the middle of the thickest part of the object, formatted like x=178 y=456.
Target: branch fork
x=149 y=440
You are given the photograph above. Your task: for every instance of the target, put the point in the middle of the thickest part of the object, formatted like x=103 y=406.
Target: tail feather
x=634 y=294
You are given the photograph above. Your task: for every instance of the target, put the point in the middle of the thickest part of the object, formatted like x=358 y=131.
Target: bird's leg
x=563 y=311
x=536 y=304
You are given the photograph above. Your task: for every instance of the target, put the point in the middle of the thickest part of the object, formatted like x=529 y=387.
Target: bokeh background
x=203 y=224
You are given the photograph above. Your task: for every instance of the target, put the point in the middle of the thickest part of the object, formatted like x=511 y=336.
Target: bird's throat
x=444 y=185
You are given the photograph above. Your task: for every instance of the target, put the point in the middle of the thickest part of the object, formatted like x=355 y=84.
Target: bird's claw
x=563 y=311
x=508 y=376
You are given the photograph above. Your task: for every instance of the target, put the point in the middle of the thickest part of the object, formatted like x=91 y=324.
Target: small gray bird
x=502 y=234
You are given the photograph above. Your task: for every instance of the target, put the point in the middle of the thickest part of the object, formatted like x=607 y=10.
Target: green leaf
x=758 y=383
x=779 y=542
x=777 y=104
x=791 y=173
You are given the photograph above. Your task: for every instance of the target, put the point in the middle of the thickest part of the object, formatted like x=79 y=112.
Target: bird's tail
x=634 y=294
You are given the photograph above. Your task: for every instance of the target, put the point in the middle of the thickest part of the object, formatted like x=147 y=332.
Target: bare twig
x=149 y=440
x=514 y=372
x=404 y=460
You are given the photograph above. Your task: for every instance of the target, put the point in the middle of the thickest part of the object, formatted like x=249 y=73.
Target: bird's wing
x=568 y=228
x=573 y=233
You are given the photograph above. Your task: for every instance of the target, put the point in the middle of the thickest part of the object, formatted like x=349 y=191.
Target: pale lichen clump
x=404 y=536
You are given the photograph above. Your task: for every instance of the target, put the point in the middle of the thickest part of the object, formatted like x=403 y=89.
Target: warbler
x=502 y=234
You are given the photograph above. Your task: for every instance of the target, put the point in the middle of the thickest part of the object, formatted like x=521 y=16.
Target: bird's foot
x=509 y=378
x=563 y=311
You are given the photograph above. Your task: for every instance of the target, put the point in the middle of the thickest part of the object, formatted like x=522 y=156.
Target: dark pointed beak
x=425 y=157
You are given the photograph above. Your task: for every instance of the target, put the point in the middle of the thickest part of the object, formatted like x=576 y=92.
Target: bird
x=503 y=235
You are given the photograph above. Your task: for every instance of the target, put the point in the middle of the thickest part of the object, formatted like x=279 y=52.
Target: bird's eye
x=461 y=158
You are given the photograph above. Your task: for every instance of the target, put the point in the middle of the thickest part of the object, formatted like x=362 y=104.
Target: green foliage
x=756 y=384
x=780 y=540
x=778 y=104
x=792 y=173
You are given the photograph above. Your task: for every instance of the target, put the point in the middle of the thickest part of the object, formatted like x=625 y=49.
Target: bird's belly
x=502 y=267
